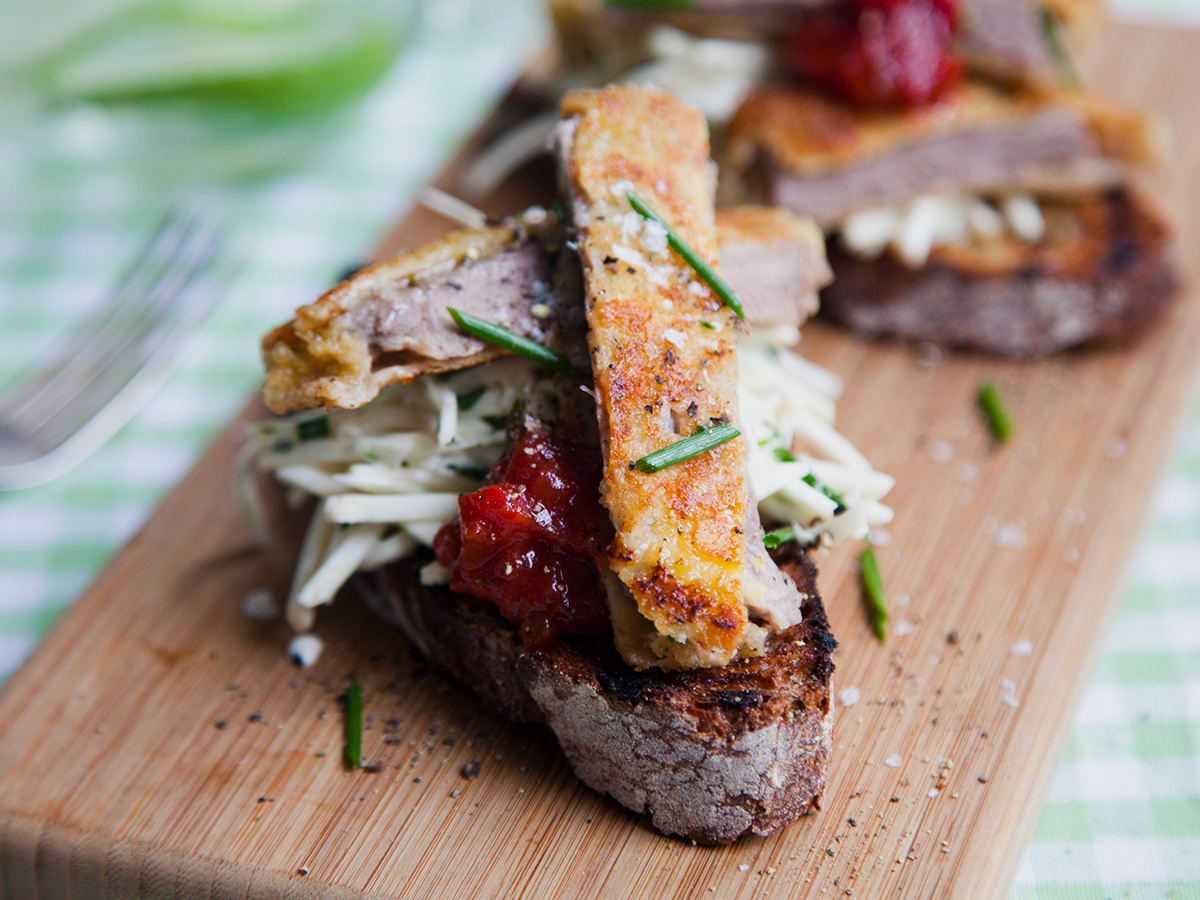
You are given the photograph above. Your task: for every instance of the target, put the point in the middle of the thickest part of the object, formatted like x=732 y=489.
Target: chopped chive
x=312 y=429
x=784 y=455
x=709 y=325
x=773 y=539
x=515 y=343
x=703 y=440
x=477 y=472
x=372 y=456
x=812 y=481
x=468 y=400
x=873 y=592
x=354 y=700
x=997 y=413
x=691 y=257
x=1052 y=32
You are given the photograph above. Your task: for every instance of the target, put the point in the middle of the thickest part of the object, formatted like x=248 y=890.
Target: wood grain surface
x=158 y=744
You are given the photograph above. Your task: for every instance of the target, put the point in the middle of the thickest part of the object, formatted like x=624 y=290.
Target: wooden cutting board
x=158 y=744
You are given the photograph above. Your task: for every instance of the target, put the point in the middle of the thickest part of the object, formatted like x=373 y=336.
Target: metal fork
x=114 y=362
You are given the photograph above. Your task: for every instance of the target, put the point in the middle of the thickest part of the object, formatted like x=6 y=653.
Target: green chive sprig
x=873 y=592
x=773 y=539
x=514 y=343
x=998 y=416
x=1052 y=33
x=784 y=455
x=312 y=429
x=354 y=728
x=706 y=272
x=702 y=441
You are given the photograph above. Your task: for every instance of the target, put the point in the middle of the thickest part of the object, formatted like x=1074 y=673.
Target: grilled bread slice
x=710 y=754
x=1102 y=273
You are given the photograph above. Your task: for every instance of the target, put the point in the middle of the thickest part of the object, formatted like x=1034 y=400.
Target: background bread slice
x=710 y=754
x=1104 y=280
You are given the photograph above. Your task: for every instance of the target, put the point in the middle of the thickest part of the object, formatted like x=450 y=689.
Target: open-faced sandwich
x=1026 y=43
x=975 y=195
x=987 y=218
x=548 y=448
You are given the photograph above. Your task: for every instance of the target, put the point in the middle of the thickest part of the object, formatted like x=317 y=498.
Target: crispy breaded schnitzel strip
x=664 y=356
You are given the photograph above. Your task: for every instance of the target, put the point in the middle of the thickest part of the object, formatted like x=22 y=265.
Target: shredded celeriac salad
x=387 y=476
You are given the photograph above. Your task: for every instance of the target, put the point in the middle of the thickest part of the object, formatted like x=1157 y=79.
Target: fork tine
x=117 y=360
x=154 y=260
x=157 y=363
x=110 y=375
x=84 y=358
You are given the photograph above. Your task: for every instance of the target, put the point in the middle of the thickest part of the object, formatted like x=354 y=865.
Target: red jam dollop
x=880 y=52
x=528 y=542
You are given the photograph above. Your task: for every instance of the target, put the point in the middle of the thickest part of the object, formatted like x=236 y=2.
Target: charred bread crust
x=1106 y=284
x=710 y=754
x=467 y=638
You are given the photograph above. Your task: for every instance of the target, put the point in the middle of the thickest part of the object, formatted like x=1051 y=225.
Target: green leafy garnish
x=873 y=592
x=773 y=539
x=706 y=272
x=811 y=480
x=514 y=343
x=784 y=455
x=470 y=398
x=702 y=441
x=1052 y=31
x=997 y=413
x=353 y=752
x=476 y=472
x=312 y=429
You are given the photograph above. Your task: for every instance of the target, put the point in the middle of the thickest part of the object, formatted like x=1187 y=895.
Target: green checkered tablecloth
x=1123 y=818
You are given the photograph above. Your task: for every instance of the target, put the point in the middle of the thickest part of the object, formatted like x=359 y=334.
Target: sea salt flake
x=1012 y=535
x=1007 y=685
x=678 y=338
x=1115 y=448
x=1010 y=700
x=1021 y=648
x=629 y=255
x=933 y=792
x=305 y=649
x=743 y=868
x=259 y=605
x=1071 y=555
x=902 y=628
x=880 y=537
x=941 y=451
x=902 y=600
x=653 y=238
x=894 y=761
x=966 y=472
x=849 y=696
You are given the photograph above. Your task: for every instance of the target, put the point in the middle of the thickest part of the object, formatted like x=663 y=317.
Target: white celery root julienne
x=387 y=475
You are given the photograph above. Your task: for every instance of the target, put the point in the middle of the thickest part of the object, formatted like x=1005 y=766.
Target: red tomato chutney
x=528 y=542
x=893 y=53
